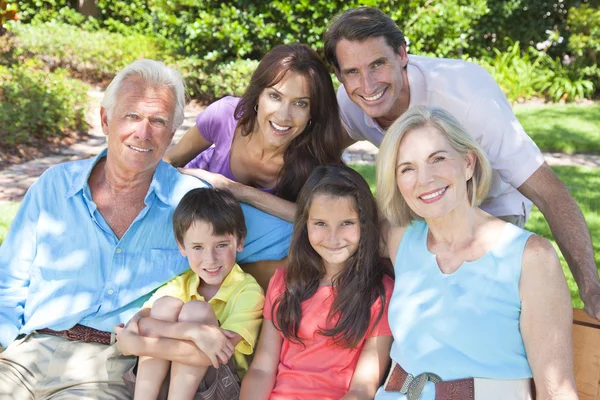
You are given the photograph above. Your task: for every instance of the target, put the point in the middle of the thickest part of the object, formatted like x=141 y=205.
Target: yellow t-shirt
x=237 y=305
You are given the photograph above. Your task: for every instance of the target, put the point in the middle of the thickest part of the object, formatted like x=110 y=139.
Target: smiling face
x=374 y=77
x=431 y=175
x=139 y=127
x=333 y=229
x=284 y=110
x=210 y=256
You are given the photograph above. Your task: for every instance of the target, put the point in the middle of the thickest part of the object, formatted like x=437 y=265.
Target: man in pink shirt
x=380 y=81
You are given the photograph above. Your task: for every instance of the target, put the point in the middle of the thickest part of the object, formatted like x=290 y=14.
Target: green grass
x=582 y=183
x=562 y=128
x=7 y=213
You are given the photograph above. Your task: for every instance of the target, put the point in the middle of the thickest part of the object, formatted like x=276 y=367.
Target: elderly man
x=93 y=239
x=381 y=81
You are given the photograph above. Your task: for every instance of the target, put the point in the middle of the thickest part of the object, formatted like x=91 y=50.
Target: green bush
x=529 y=73
x=37 y=104
x=206 y=81
x=91 y=56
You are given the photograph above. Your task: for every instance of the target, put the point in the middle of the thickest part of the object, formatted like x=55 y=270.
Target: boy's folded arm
x=152 y=327
x=175 y=350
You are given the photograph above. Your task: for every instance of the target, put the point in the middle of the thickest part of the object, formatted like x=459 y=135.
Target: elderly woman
x=480 y=306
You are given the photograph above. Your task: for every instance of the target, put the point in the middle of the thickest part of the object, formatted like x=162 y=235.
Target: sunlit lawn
x=583 y=183
x=7 y=213
x=562 y=128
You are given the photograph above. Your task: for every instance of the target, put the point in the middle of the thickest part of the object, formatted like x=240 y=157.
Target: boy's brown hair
x=218 y=207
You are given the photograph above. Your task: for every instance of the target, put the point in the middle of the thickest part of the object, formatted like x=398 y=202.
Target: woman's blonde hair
x=391 y=203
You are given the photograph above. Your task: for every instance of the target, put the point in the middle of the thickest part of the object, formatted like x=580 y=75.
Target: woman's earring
x=309 y=123
x=256 y=107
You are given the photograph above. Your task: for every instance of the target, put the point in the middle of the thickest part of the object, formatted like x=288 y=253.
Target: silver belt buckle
x=413 y=385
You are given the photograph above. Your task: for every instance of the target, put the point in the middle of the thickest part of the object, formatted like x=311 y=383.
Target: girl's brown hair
x=357 y=286
x=321 y=141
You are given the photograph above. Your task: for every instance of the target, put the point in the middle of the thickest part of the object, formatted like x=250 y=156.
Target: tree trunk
x=89 y=8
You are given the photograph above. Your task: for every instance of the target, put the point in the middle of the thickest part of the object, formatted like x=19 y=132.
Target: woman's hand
x=216 y=180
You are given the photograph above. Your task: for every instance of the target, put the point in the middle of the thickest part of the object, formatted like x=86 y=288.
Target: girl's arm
x=266 y=202
x=546 y=321
x=390 y=238
x=260 y=378
x=372 y=364
x=190 y=145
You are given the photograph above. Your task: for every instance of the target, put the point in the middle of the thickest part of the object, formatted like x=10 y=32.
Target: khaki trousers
x=50 y=367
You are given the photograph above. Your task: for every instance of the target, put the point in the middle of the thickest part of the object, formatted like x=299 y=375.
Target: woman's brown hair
x=357 y=286
x=321 y=141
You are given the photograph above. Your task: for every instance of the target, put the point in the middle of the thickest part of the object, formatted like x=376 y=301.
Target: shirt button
x=118 y=250
x=110 y=291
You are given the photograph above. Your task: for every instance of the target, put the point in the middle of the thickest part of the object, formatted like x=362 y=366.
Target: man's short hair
x=360 y=24
x=153 y=73
x=217 y=207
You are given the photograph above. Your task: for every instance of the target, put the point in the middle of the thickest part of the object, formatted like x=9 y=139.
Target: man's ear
x=338 y=74
x=240 y=245
x=403 y=54
x=104 y=120
x=181 y=249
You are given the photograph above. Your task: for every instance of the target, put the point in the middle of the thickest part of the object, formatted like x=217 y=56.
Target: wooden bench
x=586 y=344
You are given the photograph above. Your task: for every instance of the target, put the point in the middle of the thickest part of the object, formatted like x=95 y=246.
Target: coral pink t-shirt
x=317 y=368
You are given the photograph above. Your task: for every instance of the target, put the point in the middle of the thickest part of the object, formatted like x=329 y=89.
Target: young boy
x=203 y=317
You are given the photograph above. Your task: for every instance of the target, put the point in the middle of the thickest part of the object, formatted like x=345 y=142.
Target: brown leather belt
x=401 y=381
x=81 y=333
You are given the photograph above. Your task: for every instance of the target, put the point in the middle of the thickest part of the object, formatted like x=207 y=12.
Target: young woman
x=325 y=334
x=266 y=144
x=480 y=306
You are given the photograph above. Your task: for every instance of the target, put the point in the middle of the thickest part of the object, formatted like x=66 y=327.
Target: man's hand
x=591 y=300
x=214 y=342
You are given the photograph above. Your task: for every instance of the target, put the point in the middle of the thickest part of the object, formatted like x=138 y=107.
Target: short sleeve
x=511 y=152
x=245 y=317
x=382 y=328
x=174 y=288
x=211 y=122
x=276 y=287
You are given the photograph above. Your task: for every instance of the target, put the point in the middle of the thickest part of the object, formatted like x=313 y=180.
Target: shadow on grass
x=569 y=129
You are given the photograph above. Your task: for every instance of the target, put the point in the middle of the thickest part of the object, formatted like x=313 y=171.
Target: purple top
x=217 y=125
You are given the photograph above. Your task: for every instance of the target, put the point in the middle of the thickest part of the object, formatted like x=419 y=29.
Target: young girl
x=325 y=334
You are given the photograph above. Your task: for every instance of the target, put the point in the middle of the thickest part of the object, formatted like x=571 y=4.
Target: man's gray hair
x=154 y=73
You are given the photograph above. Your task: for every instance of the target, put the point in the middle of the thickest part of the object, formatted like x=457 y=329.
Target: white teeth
x=375 y=96
x=280 y=127
x=140 y=149
x=432 y=195
x=212 y=269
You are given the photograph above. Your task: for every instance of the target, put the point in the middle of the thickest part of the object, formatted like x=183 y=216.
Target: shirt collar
x=80 y=180
x=231 y=281
x=161 y=184
x=418 y=86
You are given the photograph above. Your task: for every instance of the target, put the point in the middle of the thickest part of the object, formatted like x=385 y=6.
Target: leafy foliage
x=524 y=74
x=92 y=56
x=37 y=104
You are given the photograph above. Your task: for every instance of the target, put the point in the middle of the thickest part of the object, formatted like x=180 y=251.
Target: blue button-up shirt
x=61 y=264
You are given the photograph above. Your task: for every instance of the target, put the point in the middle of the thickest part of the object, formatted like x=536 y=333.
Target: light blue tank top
x=459 y=325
